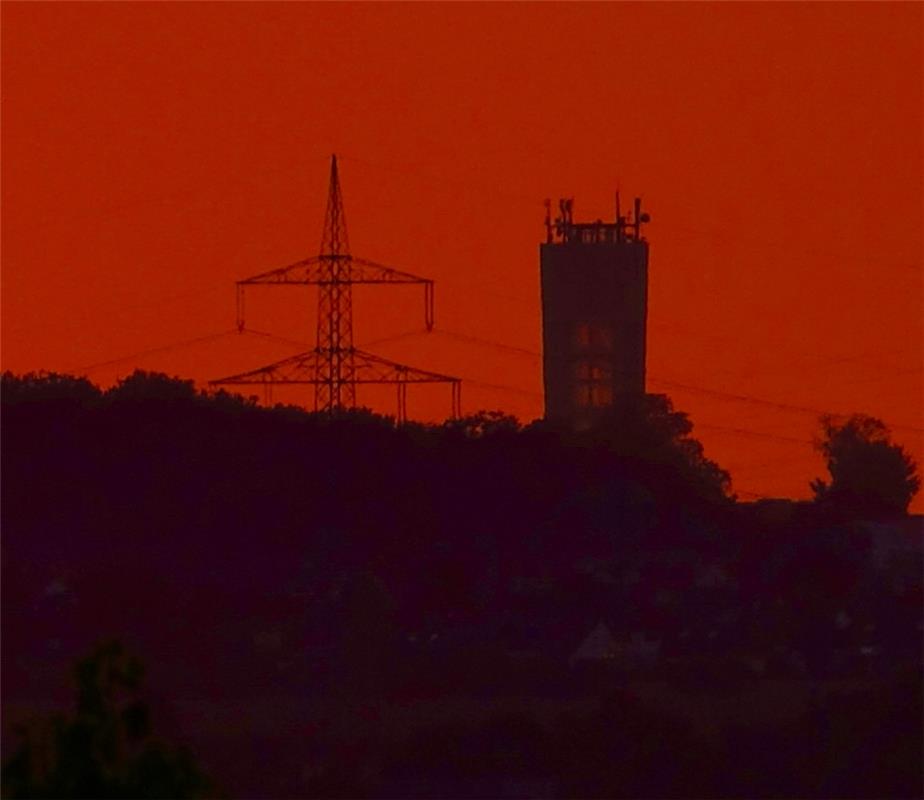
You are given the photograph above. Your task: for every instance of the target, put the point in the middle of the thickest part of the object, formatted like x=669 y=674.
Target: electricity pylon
x=334 y=367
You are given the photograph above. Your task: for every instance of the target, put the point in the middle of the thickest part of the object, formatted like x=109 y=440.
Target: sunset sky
x=153 y=154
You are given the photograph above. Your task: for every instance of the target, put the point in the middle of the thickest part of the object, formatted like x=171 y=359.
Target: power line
x=464 y=337
x=396 y=337
x=753 y=495
x=762 y=401
x=764 y=464
x=685 y=386
x=502 y=387
x=736 y=431
x=516 y=390
x=751 y=433
x=275 y=338
x=142 y=353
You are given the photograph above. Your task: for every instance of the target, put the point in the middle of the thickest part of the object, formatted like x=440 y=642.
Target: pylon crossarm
x=302 y=368
x=369 y=368
x=365 y=271
x=310 y=271
x=305 y=271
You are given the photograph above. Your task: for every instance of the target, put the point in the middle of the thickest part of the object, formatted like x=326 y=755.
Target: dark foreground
x=342 y=609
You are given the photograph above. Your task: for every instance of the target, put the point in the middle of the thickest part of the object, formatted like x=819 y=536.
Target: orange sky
x=154 y=154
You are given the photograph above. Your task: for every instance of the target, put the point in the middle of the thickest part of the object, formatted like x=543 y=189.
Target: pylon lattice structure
x=335 y=367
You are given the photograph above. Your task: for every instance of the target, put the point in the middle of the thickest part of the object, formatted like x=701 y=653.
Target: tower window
x=593 y=385
x=593 y=368
x=593 y=395
x=592 y=336
x=593 y=371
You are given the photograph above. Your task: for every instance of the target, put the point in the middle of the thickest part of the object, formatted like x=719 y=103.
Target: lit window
x=593 y=387
x=601 y=395
x=595 y=371
x=589 y=336
x=593 y=395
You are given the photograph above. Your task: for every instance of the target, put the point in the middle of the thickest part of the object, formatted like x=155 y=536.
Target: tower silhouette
x=335 y=366
x=336 y=387
x=594 y=278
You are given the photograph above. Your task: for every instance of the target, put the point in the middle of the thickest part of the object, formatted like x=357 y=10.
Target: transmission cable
x=151 y=351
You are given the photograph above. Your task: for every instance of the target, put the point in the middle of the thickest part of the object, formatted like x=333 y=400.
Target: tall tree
x=106 y=749
x=870 y=475
x=650 y=430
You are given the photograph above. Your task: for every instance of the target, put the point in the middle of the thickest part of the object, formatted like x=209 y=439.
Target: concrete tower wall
x=594 y=313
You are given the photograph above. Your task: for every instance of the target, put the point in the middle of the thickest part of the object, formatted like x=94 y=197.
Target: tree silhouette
x=38 y=388
x=870 y=476
x=106 y=749
x=483 y=423
x=141 y=385
x=649 y=430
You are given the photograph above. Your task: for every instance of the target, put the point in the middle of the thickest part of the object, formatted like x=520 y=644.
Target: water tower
x=594 y=278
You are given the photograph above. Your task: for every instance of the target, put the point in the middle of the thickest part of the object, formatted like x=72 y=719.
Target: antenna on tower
x=334 y=367
x=620 y=223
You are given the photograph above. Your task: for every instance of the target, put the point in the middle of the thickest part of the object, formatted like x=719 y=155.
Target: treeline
x=167 y=480
x=354 y=570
